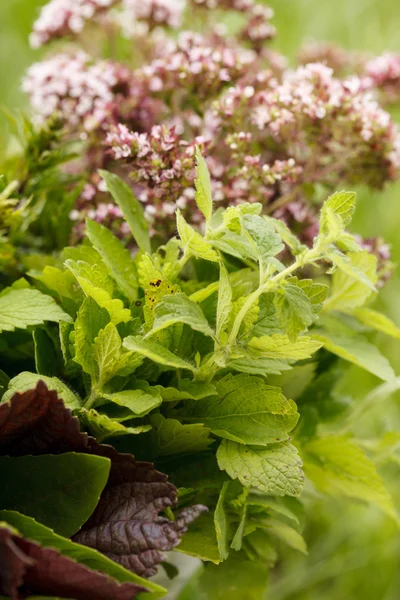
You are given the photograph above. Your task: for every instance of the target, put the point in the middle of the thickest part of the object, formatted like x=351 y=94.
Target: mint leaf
x=110 y=358
x=103 y=297
x=90 y=320
x=102 y=426
x=139 y=402
x=294 y=310
x=246 y=411
x=156 y=353
x=203 y=194
x=286 y=235
x=131 y=207
x=279 y=346
x=342 y=204
x=275 y=470
x=221 y=524
x=224 y=306
x=178 y=308
x=358 y=351
x=201 y=541
x=193 y=243
x=378 y=321
x=25 y=381
x=349 y=289
x=24 y=308
x=266 y=241
x=337 y=466
x=170 y=437
x=118 y=260
x=286 y=534
x=344 y=263
x=59 y=491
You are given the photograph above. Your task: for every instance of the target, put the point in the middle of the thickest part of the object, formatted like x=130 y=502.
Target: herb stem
x=310 y=256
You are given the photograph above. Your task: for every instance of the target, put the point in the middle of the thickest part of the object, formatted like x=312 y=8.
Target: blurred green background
x=354 y=552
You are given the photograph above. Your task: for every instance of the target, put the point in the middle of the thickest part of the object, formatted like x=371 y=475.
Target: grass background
x=354 y=551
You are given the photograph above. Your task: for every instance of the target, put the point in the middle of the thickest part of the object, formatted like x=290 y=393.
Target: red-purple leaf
x=126 y=525
x=28 y=568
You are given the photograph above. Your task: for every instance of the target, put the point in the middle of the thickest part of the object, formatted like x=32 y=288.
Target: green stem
x=301 y=260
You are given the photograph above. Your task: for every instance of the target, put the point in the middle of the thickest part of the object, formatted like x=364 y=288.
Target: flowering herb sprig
x=275 y=136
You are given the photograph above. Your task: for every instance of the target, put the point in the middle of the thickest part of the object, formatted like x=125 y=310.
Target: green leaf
x=139 y=401
x=338 y=467
x=266 y=241
x=220 y=522
x=253 y=363
x=237 y=578
x=201 y=541
x=170 y=437
x=26 y=381
x=287 y=236
x=352 y=286
x=224 y=306
x=378 y=321
x=59 y=491
x=131 y=207
x=114 y=306
x=23 y=308
x=178 y=308
x=276 y=470
x=279 y=346
x=90 y=320
x=343 y=204
x=246 y=411
x=203 y=194
x=58 y=281
x=117 y=258
x=358 y=351
x=47 y=354
x=294 y=309
x=287 y=534
x=109 y=357
x=102 y=426
x=188 y=390
x=193 y=243
x=30 y=529
x=156 y=353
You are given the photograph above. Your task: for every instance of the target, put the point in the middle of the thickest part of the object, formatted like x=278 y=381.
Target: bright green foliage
x=116 y=257
x=131 y=208
x=70 y=483
x=246 y=411
x=203 y=195
x=24 y=308
x=275 y=470
x=190 y=356
x=169 y=437
x=26 y=381
x=337 y=466
x=358 y=351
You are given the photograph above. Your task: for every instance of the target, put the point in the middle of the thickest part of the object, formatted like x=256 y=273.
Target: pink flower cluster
x=81 y=91
x=155 y=12
x=200 y=66
x=331 y=127
x=383 y=73
x=162 y=168
x=270 y=133
x=63 y=17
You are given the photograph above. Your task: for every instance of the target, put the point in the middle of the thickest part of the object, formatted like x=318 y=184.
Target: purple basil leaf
x=28 y=568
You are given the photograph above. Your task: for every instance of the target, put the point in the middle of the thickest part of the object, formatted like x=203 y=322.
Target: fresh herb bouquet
x=165 y=391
